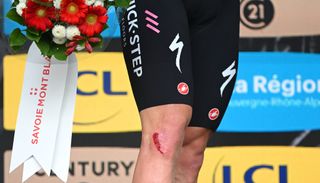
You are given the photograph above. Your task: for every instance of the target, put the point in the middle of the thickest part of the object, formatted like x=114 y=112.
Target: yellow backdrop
x=105 y=103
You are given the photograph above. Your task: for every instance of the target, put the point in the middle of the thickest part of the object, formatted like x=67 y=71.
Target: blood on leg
x=158 y=142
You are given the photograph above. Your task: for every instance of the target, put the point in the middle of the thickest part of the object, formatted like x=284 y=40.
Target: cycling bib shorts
x=183 y=52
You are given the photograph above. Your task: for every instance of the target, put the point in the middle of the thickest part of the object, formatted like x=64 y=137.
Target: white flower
x=99 y=3
x=59 y=40
x=59 y=31
x=72 y=31
x=90 y=2
x=56 y=4
x=22 y=1
x=20 y=7
x=79 y=47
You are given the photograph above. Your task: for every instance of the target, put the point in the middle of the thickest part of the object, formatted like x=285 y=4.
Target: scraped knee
x=167 y=142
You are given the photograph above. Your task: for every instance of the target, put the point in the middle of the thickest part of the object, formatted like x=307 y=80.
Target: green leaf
x=122 y=3
x=58 y=51
x=13 y=15
x=35 y=32
x=17 y=39
x=44 y=45
x=105 y=27
x=60 y=55
x=15 y=3
x=33 y=37
x=52 y=50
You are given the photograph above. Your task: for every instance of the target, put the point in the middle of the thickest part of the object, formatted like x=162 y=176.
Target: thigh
x=156 y=45
x=215 y=60
x=173 y=118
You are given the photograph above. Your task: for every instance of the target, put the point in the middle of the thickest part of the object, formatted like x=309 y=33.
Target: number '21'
x=256 y=12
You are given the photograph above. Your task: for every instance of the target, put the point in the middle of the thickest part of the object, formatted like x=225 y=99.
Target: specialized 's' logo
x=230 y=72
x=177 y=45
x=213 y=114
x=151 y=19
x=183 y=88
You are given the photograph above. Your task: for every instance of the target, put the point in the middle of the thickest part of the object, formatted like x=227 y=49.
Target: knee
x=163 y=129
x=165 y=138
x=166 y=143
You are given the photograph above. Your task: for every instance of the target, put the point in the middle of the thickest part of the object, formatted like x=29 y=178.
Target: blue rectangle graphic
x=275 y=92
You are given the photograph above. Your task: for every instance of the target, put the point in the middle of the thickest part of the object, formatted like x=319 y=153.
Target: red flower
x=94 y=40
x=73 y=11
x=88 y=46
x=94 y=21
x=37 y=16
x=70 y=50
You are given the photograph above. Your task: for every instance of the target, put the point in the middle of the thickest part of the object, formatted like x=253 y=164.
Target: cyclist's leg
x=192 y=154
x=156 y=43
x=162 y=136
x=214 y=39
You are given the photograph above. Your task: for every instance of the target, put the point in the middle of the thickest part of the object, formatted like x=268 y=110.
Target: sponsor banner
x=261 y=164
x=221 y=165
x=275 y=92
x=104 y=101
x=112 y=32
x=90 y=165
x=272 y=18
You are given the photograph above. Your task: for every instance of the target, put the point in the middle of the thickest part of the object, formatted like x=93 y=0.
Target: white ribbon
x=43 y=133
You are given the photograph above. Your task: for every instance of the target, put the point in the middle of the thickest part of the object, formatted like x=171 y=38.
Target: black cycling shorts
x=183 y=52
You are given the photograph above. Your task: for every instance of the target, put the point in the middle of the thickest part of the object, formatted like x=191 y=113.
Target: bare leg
x=192 y=154
x=163 y=129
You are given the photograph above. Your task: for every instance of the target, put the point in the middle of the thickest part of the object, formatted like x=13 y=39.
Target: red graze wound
x=156 y=142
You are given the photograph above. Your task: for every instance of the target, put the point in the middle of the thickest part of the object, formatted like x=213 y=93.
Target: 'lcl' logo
x=248 y=175
x=106 y=84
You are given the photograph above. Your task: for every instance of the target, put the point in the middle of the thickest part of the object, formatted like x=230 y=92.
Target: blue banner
x=275 y=92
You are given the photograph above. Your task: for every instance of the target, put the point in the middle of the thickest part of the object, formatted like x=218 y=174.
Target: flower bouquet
x=60 y=27
x=57 y=28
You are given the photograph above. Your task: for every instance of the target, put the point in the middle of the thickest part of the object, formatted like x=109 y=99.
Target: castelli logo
x=183 y=88
x=214 y=114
